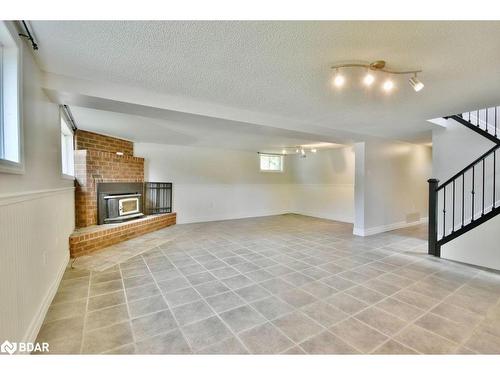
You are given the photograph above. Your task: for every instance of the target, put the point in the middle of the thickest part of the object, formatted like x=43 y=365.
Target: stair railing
x=468 y=198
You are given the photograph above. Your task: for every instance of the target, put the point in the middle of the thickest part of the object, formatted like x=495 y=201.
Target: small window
x=10 y=119
x=68 y=167
x=271 y=163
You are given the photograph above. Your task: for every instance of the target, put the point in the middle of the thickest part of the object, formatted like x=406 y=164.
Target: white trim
x=320 y=215
x=8 y=166
x=67 y=177
x=385 y=228
x=8 y=199
x=36 y=323
x=208 y=218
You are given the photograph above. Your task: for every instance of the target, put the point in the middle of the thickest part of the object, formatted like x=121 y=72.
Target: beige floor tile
x=105 y=317
x=62 y=328
x=425 y=341
x=66 y=310
x=358 y=334
x=346 y=303
x=381 y=320
x=483 y=343
x=105 y=339
x=400 y=309
x=394 y=347
x=242 y=318
x=327 y=343
x=265 y=339
x=444 y=327
x=172 y=342
x=206 y=333
x=297 y=326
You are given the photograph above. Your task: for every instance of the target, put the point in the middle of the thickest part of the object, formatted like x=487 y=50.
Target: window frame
x=12 y=55
x=69 y=151
x=282 y=163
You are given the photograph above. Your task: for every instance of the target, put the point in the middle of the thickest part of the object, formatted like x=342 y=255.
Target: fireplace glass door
x=128 y=206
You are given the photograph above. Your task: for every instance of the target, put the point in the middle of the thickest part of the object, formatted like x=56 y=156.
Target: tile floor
x=283 y=284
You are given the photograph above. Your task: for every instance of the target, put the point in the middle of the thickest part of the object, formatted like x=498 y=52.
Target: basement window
x=10 y=103
x=271 y=163
x=67 y=158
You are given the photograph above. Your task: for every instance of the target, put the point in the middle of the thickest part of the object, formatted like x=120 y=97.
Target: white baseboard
x=385 y=228
x=36 y=323
x=207 y=218
x=322 y=215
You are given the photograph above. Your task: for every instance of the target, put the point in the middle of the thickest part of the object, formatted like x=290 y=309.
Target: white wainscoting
x=34 y=252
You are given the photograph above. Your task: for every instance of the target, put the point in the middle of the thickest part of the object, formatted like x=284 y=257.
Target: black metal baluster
x=494 y=177
x=463 y=198
x=483 y=188
x=444 y=211
x=453 y=219
x=477 y=118
x=473 y=192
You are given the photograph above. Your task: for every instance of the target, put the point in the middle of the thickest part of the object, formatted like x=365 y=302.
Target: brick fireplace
x=102 y=159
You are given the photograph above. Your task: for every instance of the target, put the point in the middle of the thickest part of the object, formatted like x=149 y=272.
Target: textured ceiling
x=282 y=68
x=191 y=130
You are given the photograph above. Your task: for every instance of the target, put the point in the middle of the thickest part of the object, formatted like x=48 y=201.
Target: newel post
x=433 y=218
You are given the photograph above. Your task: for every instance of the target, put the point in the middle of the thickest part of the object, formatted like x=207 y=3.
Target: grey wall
x=324 y=184
x=391 y=185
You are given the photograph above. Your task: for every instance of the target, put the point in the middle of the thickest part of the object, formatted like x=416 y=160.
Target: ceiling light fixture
x=377 y=66
x=415 y=83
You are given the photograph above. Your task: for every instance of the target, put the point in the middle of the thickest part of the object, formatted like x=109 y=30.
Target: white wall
x=454 y=147
x=36 y=217
x=214 y=184
x=391 y=185
x=324 y=184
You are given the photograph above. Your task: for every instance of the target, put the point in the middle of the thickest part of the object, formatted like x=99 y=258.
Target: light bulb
x=296 y=150
x=313 y=150
x=388 y=85
x=369 y=79
x=338 y=80
x=283 y=152
x=302 y=151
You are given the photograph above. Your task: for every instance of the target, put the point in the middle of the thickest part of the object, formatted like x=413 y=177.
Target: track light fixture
x=372 y=68
x=415 y=83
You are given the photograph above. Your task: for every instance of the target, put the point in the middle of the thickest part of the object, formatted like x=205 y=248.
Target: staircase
x=469 y=198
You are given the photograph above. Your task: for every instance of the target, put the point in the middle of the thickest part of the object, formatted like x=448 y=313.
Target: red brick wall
x=85 y=140
x=92 y=167
x=87 y=242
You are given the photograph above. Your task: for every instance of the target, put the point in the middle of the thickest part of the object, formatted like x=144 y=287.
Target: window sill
x=265 y=171
x=11 y=167
x=67 y=176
